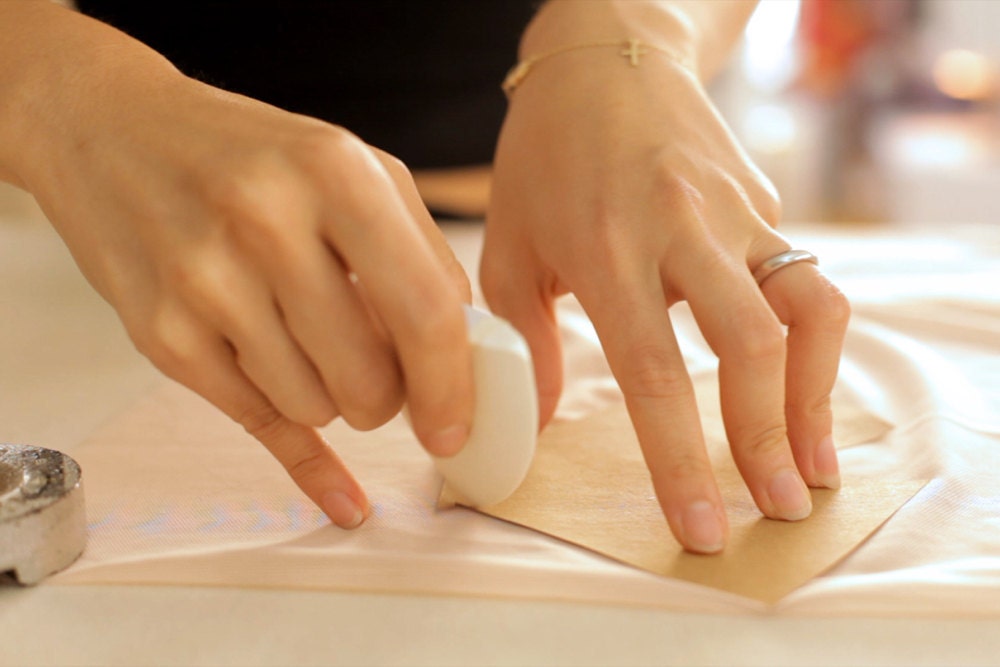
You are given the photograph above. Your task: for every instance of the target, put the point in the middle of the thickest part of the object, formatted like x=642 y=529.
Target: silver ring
x=780 y=261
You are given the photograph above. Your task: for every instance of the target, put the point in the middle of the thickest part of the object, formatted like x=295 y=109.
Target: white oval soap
x=501 y=444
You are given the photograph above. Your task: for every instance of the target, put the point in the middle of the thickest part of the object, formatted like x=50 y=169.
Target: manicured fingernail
x=448 y=441
x=825 y=462
x=789 y=496
x=703 y=531
x=342 y=510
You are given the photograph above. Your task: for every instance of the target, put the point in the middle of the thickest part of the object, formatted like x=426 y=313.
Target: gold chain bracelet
x=631 y=48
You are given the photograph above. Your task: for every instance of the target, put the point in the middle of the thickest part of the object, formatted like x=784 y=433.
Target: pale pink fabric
x=923 y=354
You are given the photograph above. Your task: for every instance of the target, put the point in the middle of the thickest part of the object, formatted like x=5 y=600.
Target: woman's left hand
x=625 y=187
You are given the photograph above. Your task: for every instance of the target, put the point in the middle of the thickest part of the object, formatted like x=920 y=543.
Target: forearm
x=701 y=33
x=55 y=65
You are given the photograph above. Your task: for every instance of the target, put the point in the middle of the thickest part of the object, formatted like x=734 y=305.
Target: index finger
x=638 y=339
x=203 y=361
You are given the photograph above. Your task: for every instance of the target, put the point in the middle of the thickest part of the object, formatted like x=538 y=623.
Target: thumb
x=515 y=290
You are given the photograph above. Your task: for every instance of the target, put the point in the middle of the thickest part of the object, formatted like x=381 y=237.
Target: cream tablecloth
x=923 y=353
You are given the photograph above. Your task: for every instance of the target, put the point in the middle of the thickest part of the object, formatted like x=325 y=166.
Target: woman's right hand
x=275 y=264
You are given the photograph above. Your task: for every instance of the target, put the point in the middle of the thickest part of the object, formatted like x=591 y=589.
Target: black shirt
x=417 y=78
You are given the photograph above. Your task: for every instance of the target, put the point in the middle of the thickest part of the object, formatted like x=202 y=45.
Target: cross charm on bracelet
x=633 y=50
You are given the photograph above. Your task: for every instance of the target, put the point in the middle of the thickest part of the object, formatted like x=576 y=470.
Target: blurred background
x=872 y=110
x=860 y=110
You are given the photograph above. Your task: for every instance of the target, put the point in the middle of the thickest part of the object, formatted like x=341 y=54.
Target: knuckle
x=309 y=467
x=319 y=413
x=200 y=272
x=346 y=167
x=396 y=167
x=680 y=469
x=441 y=323
x=239 y=189
x=323 y=140
x=165 y=340
x=271 y=236
x=678 y=192
x=262 y=420
x=206 y=285
x=833 y=306
x=763 y=342
x=812 y=407
x=245 y=205
x=373 y=401
x=622 y=260
x=649 y=371
x=764 y=442
x=251 y=197
x=330 y=150
x=279 y=435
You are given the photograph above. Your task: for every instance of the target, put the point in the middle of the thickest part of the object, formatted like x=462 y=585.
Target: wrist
x=565 y=23
x=578 y=46
x=60 y=78
x=701 y=32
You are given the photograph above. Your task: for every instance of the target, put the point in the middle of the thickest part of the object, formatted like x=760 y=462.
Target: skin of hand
x=624 y=186
x=273 y=263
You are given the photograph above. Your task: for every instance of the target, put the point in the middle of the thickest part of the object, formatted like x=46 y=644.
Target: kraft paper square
x=589 y=486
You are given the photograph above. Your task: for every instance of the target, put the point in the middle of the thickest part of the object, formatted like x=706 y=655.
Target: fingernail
x=703 y=531
x=789 y=496
x=342 y=510
x=825 y=462
x=448 y=441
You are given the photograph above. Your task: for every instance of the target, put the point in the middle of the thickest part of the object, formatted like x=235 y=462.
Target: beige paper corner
x=589 y=486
